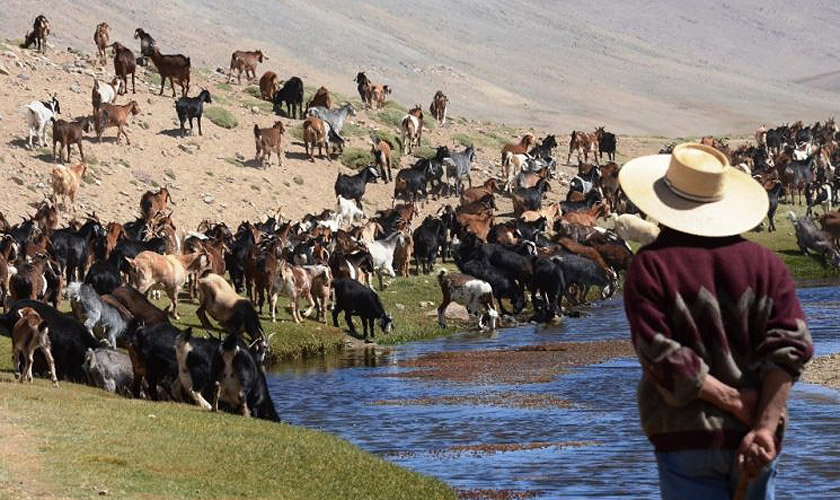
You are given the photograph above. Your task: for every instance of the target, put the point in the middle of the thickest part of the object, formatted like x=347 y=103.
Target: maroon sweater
x=698 y=306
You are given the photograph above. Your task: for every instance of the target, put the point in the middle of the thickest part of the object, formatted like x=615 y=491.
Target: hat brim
x=743 y=206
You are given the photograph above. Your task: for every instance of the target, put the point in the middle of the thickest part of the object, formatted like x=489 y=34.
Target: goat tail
x=441 y=275
x=257 y=132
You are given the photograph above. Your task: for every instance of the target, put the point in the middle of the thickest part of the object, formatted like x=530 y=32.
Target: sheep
x=105 y=93
x=114 y=115
x=188 y=108
x=269 y=140
x=245 y=61
x=175 y=67
x=633 y=228
x=69 y=133
x=101 y=37
x=29 y=333
x=65 y=183
x=474 y=294
x=37 y=114
x=124 y=64
x=268 y=85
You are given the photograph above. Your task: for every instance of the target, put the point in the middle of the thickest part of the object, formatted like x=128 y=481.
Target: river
x=593 y=448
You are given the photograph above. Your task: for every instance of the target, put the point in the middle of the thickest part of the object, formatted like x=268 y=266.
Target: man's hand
x=744 y=407
x=740 y=403
x=756 y=451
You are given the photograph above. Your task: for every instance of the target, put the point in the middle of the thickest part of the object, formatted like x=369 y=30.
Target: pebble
x=255 y=110
x=40 y=185
x=208 y=199
x=75 y=88
x=24 y=77
x=3 y=70
x=240 y=156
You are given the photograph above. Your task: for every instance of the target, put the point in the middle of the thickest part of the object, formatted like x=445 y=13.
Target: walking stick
x=741 y=489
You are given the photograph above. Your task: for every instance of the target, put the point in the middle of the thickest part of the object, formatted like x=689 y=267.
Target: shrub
x=221 y=117
x=355 y=158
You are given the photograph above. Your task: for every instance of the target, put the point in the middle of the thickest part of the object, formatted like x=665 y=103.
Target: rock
x=97 y=182
x=79 y=63
x=187 y=148
x=208 y=199
x=164 y=153
x=400 y=307
x=426 y=304
x=255 y=110
x=40 y=185
x=17 y=180
x=453 y=311
x=124 y=193
x=240 y=156
x=24 y=77
x=75 y=88
x=3 y=70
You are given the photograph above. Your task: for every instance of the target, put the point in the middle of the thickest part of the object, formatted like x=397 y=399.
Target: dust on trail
x=524 y=365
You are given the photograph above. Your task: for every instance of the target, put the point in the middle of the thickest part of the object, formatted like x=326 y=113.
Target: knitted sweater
x=698 y=306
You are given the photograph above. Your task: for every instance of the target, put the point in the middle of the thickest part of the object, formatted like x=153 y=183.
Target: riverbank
x=824 y=371
x=80 y=442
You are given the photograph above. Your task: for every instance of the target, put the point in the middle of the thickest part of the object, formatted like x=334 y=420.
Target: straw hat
x=695 y=190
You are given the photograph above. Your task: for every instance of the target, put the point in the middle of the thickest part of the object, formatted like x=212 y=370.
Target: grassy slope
x=79 y=440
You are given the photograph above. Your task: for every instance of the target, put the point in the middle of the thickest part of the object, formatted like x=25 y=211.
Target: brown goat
x=377 y=94
x=114 y=115
x=315 y=134
x=69 y=133
x=268 y=85
x=6 y=247
x=522 y=147
x=245 y=61
x=412 y=129
x=65 y=183
x=321 y=98
x=381 y=151
x=30 y=333
x=38 y=279
x=175 y=67
x=101 y=37
x=124 y=64
x=269 y=140
x=152 y=204
x=438 y=107
x=403 y=253
x=477 y=224
x=472 y=194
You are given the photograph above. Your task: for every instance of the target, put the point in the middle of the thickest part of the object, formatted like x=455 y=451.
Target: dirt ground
x=824 y=371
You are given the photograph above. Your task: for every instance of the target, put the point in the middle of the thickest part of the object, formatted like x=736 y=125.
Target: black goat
x=192 y=107
x=410 y=185
x=240 y=381
x=503 y=286
x=607 y=145
x=290 y=93
x=549 y=282
x=352 y=187
x=428 y=238
x=152 y=350
x=71 y=248
x=356 y=299
x=104 y=275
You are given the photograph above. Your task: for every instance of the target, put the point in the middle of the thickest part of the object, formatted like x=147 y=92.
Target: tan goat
x=269 y=140
x=65 y=183
x=152 y=271
x=30 y=333
x=114 y=115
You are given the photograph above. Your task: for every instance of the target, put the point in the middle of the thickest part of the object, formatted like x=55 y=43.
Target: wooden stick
x=741 y=489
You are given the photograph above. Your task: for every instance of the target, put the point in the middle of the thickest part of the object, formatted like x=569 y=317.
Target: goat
x=30 y=332
x=474 y=294
x=527 y=142
x=382 y=252
x=38 y=279
x=428 y=239
x=811 y=239
x=354 y=299
x=380 y=149
x=114 y=115
x=633 y=228
x=606 y=143
x=411 y=128
x=38 y=114
x=139 y=306
x=583 y=143
x=458 y=166
x=290 y=93
x=472 y=194
x=269 y=140
x=105 y=92
x=218 y=298
x=295 y=283
x=347 y=210
x=124 y=64
x=192 y=107
x=240 y=382
x=438 y=108
x=150 y=270
x=65 y=183
x=316 y=133
x=334 y=117
x=109 y=370
x=152 y=204
x=245 y=61
x=268 y=85
x=352 y=187
x=69 y=133
x=363 y=87
x=72 y=247
x=377 y=94
x=320 y=98
x=175 y=67
x=38 y=35
x=95 y=314
x=101 y=37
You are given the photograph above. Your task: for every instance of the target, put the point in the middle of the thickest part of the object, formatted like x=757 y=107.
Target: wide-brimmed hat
x=695 y=190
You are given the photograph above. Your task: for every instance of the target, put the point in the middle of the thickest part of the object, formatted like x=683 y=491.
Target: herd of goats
x=550 y=255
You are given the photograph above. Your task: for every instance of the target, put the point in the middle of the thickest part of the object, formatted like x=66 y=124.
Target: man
x=716 y=324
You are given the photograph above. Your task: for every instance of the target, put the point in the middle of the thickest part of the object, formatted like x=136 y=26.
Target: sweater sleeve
x=676 y=370
x=786 y=342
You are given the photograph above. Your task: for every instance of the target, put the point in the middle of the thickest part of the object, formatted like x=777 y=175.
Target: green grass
x=425 y=152
x=221 y=117
x=356 y=158
x=391 y=116
x=226 y=87
x=77 y=441
x=254 y=91
x=464 y=140
x=353 y=130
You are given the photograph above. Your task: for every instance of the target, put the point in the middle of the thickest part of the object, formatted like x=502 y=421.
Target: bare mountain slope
x=640 y=66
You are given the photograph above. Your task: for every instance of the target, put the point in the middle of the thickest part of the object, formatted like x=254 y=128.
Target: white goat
x=38 y=114
x=382 y=252
x=348 y=210
x=633 y=228
x=105 y=93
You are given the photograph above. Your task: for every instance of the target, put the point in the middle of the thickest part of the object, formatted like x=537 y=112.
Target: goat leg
x=45 y=347
x=216 y=393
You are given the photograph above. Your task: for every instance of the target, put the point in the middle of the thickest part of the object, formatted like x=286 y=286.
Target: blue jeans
x=709 y=475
